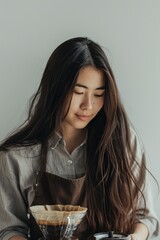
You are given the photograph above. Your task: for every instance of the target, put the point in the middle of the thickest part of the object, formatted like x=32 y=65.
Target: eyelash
x=100 y=95
x=96 y=95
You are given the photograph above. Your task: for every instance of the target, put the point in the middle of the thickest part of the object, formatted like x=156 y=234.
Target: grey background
x=130 y=34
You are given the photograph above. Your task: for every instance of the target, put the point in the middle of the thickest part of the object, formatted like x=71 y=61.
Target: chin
x=80 y=126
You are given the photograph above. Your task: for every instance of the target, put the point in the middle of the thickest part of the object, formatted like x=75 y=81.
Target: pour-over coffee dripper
x=58 y=222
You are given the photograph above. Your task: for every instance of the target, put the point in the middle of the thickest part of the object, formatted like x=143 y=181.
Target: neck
x=73 y=137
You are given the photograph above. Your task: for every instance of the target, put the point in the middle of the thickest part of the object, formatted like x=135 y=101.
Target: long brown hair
x=112 y=188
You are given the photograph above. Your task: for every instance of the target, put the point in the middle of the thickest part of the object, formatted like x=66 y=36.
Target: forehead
x=91 y=77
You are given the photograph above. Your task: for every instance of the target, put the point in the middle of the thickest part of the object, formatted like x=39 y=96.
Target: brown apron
x=52 y=189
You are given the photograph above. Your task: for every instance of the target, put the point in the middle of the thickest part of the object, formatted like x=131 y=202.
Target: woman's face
x=87 y=99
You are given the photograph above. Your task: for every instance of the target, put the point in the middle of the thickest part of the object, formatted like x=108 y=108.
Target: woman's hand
x=134 y=236
x=140 y=232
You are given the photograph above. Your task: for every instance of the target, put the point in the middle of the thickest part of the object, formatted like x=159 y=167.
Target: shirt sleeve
x=13 y=209
x=150 y=219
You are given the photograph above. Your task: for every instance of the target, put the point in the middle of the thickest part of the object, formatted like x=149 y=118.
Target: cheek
x=99 y=105
x=75 y=102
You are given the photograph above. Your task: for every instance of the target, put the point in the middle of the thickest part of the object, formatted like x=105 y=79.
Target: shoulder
x=18 y=159
x=21 y=152
x=136 y=142
x=138 y=162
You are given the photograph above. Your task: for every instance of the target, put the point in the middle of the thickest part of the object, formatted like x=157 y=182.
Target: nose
x=87 y=103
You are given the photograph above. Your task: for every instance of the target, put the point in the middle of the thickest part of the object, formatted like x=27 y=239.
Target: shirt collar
x=57 y=138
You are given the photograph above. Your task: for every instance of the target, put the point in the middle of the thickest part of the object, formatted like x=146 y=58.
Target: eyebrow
x=83 y=86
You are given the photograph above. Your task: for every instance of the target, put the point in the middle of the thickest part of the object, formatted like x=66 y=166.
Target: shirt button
x=69 y=161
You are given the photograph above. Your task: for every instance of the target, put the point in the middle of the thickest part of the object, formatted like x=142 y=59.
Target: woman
x=77 y=141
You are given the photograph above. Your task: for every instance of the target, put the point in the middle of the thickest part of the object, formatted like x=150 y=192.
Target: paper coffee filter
x=57 y=214
x=66 y=208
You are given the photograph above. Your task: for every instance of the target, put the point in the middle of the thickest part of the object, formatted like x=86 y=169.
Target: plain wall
x=130 y=34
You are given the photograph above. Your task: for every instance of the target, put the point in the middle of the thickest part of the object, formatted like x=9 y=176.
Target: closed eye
x=78 y=92
x=96 y=95
x=99 y=95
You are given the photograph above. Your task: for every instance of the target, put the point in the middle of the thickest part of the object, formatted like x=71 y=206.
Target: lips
x=84 y=117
